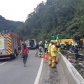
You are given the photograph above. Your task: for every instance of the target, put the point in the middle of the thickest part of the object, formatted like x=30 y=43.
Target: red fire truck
x=9 y=44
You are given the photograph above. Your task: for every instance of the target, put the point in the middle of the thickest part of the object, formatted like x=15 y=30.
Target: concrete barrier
x=72 y=75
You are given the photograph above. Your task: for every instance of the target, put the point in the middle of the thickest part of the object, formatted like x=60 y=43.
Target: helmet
x=52 y=41
x=45 y=41
x=76 y=44
x=55 y=42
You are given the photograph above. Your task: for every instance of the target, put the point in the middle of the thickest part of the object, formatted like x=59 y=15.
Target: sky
x=17 y=10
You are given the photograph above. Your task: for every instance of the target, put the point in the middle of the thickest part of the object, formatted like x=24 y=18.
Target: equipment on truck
x=9 y=44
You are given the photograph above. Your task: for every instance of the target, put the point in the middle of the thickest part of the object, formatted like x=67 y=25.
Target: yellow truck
x=66 y=40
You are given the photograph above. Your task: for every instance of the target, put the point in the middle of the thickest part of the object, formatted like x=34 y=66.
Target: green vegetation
x=8 y=25
x=64 y=17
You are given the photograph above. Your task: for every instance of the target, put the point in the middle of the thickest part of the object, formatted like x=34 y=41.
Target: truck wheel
x=13 y=56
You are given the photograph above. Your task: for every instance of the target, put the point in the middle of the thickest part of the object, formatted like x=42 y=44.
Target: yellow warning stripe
x=9 y=46
x=5 y=40
x=9 y=40
x=8 y=51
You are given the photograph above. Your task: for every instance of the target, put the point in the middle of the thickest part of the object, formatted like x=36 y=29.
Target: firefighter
x=49 y=53
x=40 y=51
x=73 y=44
x=45 y=47
x=53 y=53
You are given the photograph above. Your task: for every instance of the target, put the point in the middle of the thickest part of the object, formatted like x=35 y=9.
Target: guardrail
x=72 y=75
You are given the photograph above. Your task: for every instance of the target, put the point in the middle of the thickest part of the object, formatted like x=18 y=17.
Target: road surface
x=14 y=72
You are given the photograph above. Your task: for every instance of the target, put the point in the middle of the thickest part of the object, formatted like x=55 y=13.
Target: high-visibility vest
x=53 y=50
x=49 y=47
x=46 y=45
x=73 y=43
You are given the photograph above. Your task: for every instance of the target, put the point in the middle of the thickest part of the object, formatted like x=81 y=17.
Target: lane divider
x=39 y=73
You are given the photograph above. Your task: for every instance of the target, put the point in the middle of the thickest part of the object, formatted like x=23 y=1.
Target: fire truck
x=9 y=44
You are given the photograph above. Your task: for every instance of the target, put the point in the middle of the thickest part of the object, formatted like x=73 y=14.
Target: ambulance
x=31 y=43
x=9 y=44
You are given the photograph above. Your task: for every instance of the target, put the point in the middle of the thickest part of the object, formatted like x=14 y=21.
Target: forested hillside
x=65 y=17
x=8 y=25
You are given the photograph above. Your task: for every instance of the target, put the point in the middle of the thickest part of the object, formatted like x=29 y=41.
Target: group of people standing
x=52 y=53
x=50 y=49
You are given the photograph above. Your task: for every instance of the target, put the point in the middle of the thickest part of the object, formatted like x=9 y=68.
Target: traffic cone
x=45 y=56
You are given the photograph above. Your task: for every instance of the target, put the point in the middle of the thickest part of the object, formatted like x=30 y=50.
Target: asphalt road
x=14 y=72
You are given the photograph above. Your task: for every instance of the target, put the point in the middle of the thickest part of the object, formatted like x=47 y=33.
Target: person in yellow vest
x=73 y=44
x=46 y=47
x=49 y=53
x=53 y=53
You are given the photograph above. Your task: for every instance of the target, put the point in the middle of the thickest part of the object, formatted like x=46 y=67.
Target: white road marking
x=39 y=73
x=2 y=63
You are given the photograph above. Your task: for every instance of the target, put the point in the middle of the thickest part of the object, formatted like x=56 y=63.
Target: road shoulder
x=52 y=75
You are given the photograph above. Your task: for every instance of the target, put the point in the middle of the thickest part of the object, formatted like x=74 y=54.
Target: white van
x=31 y=43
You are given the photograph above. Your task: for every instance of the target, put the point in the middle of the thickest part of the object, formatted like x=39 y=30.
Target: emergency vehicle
x=9 y=44
x=31 y=43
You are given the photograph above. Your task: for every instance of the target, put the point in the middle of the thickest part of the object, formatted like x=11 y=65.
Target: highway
x=14 y=72
x=37 y=71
